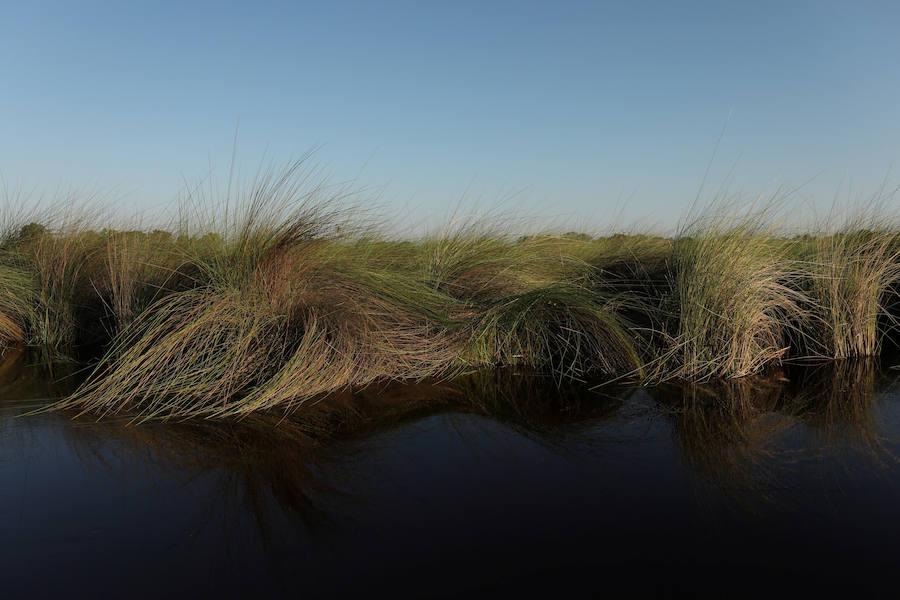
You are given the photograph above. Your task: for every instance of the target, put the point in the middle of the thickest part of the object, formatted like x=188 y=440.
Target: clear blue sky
x=577 y=107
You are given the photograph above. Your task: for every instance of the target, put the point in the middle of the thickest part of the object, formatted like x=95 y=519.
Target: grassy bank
x=284 y=297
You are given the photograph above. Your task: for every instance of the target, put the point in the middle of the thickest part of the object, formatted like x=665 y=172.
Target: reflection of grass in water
x=556 y=415
x=258 y=466
x=296 y=466
x=728 y=431
x=725 y=430
x=28 y=383
x=838 y=401
x=524 y=399
x=273 y=466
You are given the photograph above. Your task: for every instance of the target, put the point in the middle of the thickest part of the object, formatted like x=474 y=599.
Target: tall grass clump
x=17 y=286
x=736 y=300
x=134 y=269
x=562 y=329
x=527 y=302
x=58 y=259
x=17 y=295
x=278 y=311
x=853 y=277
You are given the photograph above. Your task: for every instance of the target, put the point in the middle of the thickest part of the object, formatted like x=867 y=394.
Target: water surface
x=783 y=485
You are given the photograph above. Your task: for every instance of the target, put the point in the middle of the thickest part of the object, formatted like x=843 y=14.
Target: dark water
x=785 y=485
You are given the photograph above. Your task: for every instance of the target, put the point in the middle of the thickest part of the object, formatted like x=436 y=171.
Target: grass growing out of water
x=853 y=279
x=735 y=297
x=285 y=296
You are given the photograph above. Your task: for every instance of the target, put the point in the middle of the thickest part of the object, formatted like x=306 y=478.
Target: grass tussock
x=853 y=277
x=273 y=294
x=736 y=299
x=562 y=329
x=17 y=301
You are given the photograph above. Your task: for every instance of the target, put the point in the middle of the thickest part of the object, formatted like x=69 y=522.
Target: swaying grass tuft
x=562 y=329
x=735 y=298
x=853 y=276
x=17 y=299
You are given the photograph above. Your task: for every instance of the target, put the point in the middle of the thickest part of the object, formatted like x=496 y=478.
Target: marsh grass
x=736 y=300
x=135 y=269
x=17 y=301
x=271 y=294
x=853 y=278
x=561 y=329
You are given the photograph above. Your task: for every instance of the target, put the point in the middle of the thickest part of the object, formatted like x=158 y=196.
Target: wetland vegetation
x=278 y=294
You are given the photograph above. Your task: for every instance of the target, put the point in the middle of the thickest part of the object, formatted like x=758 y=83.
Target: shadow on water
x=495 y=480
